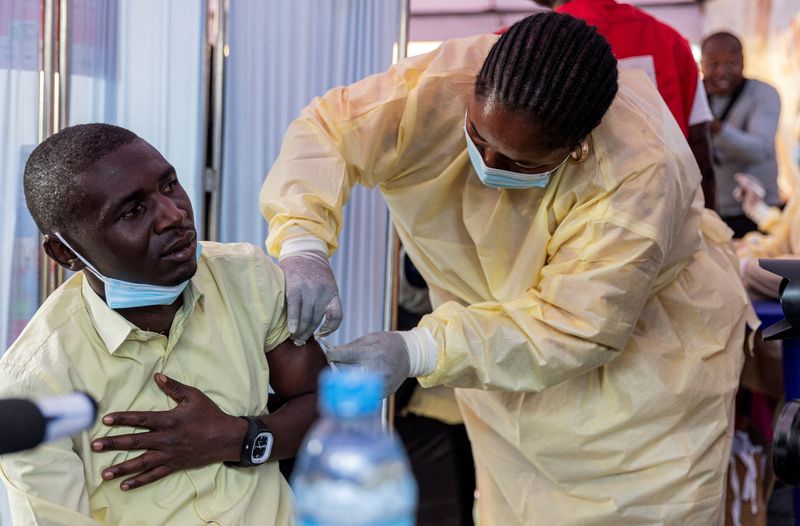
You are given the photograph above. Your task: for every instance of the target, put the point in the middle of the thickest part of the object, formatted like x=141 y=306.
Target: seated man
x=178 y=340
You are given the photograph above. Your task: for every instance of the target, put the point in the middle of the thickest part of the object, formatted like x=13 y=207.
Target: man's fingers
x=145 y=419
x=157 y=473
x=140 y=464
x=131 y=442
x=333 y=316
x=172 y=388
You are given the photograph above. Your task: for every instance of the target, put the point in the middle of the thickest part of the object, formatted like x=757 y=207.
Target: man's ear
x=59 y=253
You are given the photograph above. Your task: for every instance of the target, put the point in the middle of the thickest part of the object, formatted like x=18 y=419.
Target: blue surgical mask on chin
x=497 y=178
x=126 y=295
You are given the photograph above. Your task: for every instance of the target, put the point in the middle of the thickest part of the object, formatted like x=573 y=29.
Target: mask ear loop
x=77 y=254
x=581 y=152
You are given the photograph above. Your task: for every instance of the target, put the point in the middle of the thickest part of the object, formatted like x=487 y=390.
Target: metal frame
x=391 y=276
x=63 y=65
x=53 y=107
x=212 y=178
x=62 y=98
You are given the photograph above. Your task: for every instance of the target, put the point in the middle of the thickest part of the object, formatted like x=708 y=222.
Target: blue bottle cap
x=350 y=392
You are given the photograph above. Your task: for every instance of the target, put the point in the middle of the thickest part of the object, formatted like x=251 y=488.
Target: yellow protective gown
x=599 y=332
x=782 y=238
x=781 y=241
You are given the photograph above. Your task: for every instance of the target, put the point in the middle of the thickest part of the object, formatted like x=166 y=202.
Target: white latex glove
x=394 y=355
x=311 y=294
x=751 y=193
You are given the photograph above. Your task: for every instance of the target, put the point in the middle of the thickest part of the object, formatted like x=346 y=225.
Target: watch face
x=262 y=447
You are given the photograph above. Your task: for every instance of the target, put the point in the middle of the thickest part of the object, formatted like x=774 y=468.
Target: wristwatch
x=257 y=444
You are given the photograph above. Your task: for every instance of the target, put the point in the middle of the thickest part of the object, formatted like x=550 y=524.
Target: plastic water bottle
x=349 y=471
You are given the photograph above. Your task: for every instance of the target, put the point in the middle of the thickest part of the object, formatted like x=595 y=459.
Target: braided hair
x=556 y=69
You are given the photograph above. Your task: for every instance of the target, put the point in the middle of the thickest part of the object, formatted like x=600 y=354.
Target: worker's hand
x=311 y=293
x=382 y=352
x=751 y=194
x=195 y=433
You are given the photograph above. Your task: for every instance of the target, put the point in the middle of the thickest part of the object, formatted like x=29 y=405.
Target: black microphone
x=26 y=424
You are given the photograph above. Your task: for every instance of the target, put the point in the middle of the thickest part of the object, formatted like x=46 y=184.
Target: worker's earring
x=581 y=152
x=72 y=263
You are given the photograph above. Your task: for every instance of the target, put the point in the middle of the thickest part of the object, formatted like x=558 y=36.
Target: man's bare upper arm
x=294 y=370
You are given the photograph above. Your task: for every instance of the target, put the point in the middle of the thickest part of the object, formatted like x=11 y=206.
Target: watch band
x=255 y=428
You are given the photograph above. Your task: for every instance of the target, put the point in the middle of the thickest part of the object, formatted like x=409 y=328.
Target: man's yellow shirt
x=233 y=313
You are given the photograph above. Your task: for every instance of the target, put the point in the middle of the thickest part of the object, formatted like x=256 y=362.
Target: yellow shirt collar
x=115 y=329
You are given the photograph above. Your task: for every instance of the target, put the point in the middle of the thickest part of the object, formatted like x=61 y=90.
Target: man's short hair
x=51 y=172
x=724 y=36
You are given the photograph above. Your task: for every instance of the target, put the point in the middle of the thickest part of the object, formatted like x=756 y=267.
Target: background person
x=746 y=113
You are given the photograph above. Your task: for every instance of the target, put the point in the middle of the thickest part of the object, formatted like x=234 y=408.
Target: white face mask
x=126 y=295
x=497 y=178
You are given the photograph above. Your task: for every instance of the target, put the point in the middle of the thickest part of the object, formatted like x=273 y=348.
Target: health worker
x=586 y=309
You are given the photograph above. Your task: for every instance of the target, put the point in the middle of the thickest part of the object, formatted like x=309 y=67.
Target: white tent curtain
x=19 y=83
x=20 y=33
x=139 y=64
x=281 y=55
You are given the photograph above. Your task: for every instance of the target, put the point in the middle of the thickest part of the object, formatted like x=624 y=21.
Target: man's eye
x=170 y=186
x=133 y=211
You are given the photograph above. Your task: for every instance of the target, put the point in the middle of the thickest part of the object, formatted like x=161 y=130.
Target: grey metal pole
x=49 y=57
x=63 y=65
x=61 y=115
x=214 y=172
x=209 y=37
x=391 y=279
x=47 y=117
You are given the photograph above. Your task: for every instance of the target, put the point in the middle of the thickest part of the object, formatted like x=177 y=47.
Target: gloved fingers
x=309 y=322
x=333 y=316
x=349 y=354
x=306 y=323
x=308 y=333
x=294 y=304
x=338 y=366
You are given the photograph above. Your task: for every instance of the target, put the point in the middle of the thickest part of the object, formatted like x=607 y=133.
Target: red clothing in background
x=633 y=33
